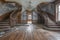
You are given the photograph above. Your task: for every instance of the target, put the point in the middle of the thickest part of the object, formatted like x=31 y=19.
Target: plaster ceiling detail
x=33 y=3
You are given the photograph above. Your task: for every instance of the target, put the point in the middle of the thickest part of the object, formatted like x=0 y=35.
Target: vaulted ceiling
x=34 y=3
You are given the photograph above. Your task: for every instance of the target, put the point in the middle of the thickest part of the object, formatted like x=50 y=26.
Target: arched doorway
x=29 y=17
x=32 y=17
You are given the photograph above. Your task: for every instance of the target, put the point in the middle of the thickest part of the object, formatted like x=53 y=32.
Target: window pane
x=59 y=13
x=59 y=8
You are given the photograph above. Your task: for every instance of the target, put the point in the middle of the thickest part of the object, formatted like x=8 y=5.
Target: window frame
x=57 y=12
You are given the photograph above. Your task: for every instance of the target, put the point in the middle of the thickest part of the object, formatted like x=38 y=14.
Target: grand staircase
x=51 y=25
x=4 y=25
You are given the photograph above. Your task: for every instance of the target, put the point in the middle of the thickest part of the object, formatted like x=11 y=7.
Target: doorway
x=29 y=18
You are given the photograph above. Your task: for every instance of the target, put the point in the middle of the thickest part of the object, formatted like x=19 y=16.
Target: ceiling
x=34 y=3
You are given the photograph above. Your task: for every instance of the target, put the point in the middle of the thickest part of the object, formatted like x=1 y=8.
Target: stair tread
x=5 y=29
x=3 y=22
x=51 y=28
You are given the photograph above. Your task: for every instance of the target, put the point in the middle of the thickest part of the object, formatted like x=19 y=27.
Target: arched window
x=24 y=17
x=58 y=12
x=34 y=17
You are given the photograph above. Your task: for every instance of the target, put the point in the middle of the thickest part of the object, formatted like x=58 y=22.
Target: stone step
x=1 y=27
x=50 y=28
x=53 y=26
x=4 y=22
x=5 y=29
x=15 y=25
x=21 y=25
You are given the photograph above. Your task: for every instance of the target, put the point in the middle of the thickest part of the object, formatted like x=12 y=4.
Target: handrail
x=13 y=18
x=13 y=15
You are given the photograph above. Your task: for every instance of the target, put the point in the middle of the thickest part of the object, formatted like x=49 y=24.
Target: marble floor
x=31 y=32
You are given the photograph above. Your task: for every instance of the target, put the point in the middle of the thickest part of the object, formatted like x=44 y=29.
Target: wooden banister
x=14 y=18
